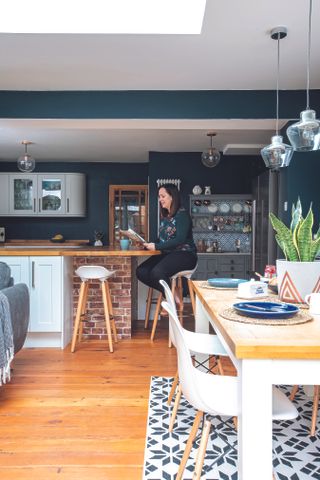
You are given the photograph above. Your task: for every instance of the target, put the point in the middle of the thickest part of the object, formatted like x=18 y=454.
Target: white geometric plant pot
x=297 y=279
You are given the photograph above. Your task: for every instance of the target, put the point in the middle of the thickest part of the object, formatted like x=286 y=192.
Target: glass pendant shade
x=26 y=163
x=304 y=135
x=211 y=157
x=278 y=154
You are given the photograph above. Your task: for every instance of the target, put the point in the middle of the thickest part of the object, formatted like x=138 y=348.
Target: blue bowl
x=225 y=282
x=266 y=309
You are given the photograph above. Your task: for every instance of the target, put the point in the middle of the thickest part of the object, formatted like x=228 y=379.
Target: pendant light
x=211 y=157
x=278 y=154
x=304 y=135
x=26 y=163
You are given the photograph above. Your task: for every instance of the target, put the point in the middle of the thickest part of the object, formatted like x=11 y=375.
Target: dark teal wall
x=153 y=104
x=303 y=179
x=99 y=176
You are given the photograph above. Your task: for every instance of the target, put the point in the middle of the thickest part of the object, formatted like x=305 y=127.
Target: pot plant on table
x=299 y=274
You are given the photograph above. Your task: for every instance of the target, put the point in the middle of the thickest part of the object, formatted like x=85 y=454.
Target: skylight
x=102 y=16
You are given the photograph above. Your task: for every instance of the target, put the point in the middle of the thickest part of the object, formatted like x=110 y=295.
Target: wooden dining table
x=263 y=355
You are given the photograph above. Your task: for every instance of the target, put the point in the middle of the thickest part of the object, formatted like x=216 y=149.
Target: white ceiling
x=234 y=51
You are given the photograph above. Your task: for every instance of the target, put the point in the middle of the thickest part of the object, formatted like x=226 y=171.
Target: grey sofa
x=19 y=304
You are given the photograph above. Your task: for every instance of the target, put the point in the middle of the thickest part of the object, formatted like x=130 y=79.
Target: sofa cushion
x=5 y=276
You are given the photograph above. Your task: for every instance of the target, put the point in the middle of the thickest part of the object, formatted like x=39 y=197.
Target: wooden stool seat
x=87 y=273
x=176 y=280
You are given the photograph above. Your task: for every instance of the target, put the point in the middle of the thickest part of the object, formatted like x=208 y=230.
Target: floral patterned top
x=175 y=233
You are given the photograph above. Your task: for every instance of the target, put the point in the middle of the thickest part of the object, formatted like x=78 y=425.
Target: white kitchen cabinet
x=43 y=194
x=50 y=285
x=75 y=194
x=4 y=193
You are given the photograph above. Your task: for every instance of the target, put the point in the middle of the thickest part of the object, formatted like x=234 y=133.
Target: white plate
x=213 y=208
x=246 y=208
x=224 y=208
x=236 y=208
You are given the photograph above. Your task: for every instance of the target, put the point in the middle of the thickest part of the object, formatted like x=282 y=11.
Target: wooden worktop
x=260 y=341
x=69 y=248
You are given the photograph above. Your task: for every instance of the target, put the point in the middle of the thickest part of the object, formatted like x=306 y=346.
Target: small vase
x=197 y=190
x=207 y=190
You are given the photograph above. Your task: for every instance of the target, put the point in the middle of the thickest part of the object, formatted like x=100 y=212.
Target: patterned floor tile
x=296 y=454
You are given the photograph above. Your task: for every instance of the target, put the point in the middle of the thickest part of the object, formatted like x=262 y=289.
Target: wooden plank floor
x=83 y=415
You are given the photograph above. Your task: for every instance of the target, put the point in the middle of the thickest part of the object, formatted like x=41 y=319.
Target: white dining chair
x=211 y=395
x=205 y=344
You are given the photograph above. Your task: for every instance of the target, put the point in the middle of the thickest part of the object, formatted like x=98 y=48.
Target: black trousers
x=162 y=267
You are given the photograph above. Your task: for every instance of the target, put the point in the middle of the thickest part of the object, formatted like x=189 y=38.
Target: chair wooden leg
x=173 y=388
x=106 y=313
x=315 y=410
x=189 y=443
x=202 y=450
x=220 y=367
x=148 y=307
x=192 y=296
x=83 y=310
x=175 y=408
x=293 y=392
x=156 y=316
x=78 y=316
x=113 y=324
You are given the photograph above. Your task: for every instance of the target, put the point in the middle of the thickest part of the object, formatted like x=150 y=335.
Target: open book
x=134 y=236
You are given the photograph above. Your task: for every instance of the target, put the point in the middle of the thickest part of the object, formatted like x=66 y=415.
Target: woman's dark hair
x=172 y=190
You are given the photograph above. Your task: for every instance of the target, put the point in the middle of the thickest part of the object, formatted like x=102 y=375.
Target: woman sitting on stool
x=178 y=250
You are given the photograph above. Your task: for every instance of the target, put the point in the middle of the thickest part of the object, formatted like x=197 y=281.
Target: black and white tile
x=296 y=454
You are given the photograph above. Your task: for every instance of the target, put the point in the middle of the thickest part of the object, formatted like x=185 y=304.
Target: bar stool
x=176 y=280
x=87 y=273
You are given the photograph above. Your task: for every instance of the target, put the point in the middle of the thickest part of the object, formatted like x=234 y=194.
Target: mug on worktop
x=313 y=300
x=124 y=243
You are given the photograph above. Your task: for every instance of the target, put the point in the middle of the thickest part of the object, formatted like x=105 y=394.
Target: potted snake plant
x=299 y=274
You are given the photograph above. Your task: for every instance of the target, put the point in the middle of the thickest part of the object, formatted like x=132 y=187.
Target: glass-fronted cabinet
x=51 y=193
x=128 y=208
x=23 y=194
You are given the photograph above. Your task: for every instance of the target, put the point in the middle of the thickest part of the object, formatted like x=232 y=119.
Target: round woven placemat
x=230 y=314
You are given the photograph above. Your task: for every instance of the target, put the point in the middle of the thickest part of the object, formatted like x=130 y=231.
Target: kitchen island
x=48 y=270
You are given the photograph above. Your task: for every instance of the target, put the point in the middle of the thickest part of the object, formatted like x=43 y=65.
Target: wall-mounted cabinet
x=128 y=208
x=43 y=194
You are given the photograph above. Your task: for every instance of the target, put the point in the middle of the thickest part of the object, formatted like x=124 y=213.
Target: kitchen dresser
x=223 y=233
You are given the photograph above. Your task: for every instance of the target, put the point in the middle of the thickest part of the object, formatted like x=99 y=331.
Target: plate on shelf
x=246 y=208
x=213 y=208
x=236 y=208
x=230 y=283
x=266 y=309
x=224 y=208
